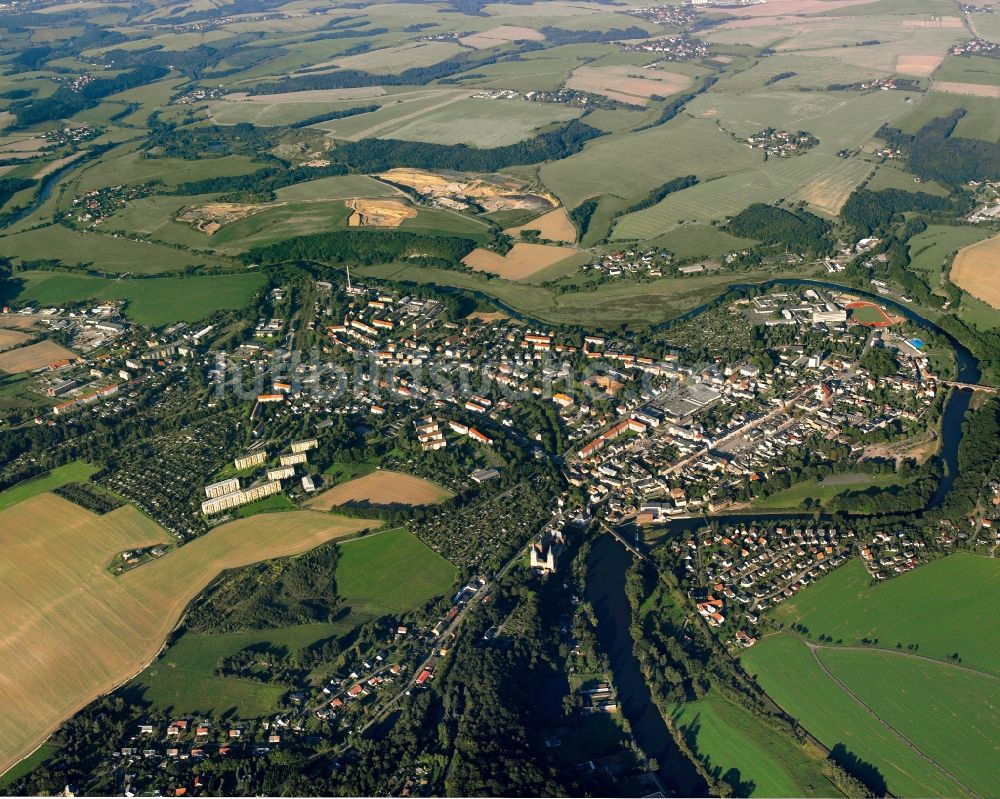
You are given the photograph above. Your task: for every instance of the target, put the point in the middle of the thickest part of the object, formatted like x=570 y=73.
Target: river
x=609 y=561
x=606 y=593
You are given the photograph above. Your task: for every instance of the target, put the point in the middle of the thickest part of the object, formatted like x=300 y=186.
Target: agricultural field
x=101 y=252
x=976 y=269
x=478 y=123
x=930 y=250
x=554 y=225
x=523 y=261
x=382 y=488
x=34 y=356
x=927 y=607
x=12 y=338
x=731 y=742
x=791 y=674
x=152 y=302
x=980 y=121
x=956 y=721
x=85 y=631
x=627 y=84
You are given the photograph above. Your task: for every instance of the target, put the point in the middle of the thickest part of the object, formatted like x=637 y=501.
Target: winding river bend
x=609 y=561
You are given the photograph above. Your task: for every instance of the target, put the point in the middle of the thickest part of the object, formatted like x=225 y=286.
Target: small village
x=671 y=48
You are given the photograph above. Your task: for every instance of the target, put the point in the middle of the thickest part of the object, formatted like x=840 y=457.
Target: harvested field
x=75 y=632
x=627 y=84
x=12 y=338
x=971 y=89
x=829 y=190
x=920 y=66
x=501 y=35
x=523 y=261
x=379 y=213
x=977 y=270
x=388 y=59
x=780 y=8
x=382 y=488
x=555 y=226
x=34 y=356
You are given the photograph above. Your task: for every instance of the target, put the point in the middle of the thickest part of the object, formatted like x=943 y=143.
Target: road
x=432 y=656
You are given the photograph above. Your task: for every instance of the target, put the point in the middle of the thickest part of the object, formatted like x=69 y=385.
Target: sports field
x=976 y=269
x=933 y=606
x=382 y=488
x=34 y=356
x=75 y=631
x=868 y=314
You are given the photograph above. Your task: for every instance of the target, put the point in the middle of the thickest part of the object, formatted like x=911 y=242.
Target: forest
x=366 y=247
x=378 y=155
x=933 y=153
x=800 y=230
x=269 y=595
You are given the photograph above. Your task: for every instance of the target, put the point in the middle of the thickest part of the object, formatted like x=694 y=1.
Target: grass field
x=152 y=302
x=75 y=472
x=691 y=241
x=731 y=742
x=787 y=670
x=933 y=606
x=83 y=631
x=101 y=252
x=951 y=715
x=183 y=677
x=931 y=249
x=822 y=492
x=382 y=488
x=369 y=571
x=638 y=303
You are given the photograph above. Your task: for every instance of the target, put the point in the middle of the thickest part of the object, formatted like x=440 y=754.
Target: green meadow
x=732 y=744
x=940 y=606
x=152 y=301
x=74 y=472
x=792 y=677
